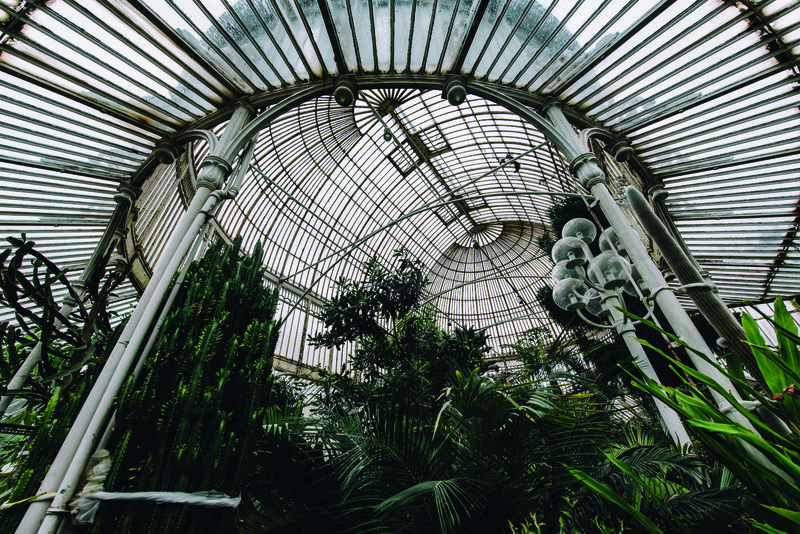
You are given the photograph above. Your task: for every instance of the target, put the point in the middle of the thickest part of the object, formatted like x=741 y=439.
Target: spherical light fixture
x=387 y=134
x=594 y=303
x=572 y=250
x=581 y=228
x=609 y=241
x=636 y=278
x=561 y=271
x=609 y=270
x=568 y=294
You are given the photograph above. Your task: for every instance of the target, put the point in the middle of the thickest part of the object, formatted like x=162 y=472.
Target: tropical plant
x=68 y=342
x=390 y=453
x=399 y=345
x=420 y=440
x=375 y=306
x=73 y=348
x=541 y=353
x=661 y=489
x=766 y=457
x=494 y=453
x=780 y=364
x=191 y=420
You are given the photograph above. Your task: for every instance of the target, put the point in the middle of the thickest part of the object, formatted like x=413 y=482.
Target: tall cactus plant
x=189 y=422
x=73 y=349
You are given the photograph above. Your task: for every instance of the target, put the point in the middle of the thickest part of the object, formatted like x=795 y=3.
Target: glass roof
x=705 y=92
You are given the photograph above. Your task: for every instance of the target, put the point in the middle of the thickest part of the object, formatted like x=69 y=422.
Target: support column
x=701 y=292
x=585 y=167
x=62 y=478
x=125 y=196
x=670 y=420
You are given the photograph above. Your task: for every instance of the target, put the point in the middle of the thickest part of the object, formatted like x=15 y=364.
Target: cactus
x=190 y=421
x=73 y=350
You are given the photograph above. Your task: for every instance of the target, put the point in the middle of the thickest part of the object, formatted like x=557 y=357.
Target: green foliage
x=52 y=425
x=764 y=458
x=662 y=489
x=27 y=283
x=74 y=349
x=779 y=365
x=419 y=440
x=491 y=454
x=191 y=420
x=369 y=307
x=399 y=344
x=585 y=365
x=542 y=353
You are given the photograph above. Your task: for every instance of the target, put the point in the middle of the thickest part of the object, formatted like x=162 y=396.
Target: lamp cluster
x=583 y=280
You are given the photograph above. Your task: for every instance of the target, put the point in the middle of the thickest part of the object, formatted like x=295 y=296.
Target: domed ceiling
x=704 y=92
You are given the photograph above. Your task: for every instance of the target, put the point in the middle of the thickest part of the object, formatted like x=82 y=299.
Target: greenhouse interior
x=399 y=266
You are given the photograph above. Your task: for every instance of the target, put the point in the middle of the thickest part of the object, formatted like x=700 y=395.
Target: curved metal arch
x=487 y=91
x=228 y=151
x=260 y=122
x=540 y=123
x=596 y=133
x=201 y=134
x=499 y=95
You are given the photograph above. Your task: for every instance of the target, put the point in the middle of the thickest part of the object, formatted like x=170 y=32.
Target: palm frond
x=655 y=462
x=715 y=506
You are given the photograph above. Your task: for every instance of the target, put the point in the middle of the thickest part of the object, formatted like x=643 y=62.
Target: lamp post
x=585 y=167
x=584 y=281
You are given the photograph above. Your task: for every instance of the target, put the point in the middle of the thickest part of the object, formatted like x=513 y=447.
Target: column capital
x=165 y=151
x=246 y=104
x=126 y=193
x=551 y=103
x=213 y=172
x=586 y=169
x=655 y=190
x=621 y=149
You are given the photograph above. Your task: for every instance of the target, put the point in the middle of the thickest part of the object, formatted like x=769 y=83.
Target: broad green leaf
x=612 y=496
x=697 y=407
x=772 y=374
x=768 y=529
x=791 y=515
x=753 y=420
x=771 y=453
x=787 y=335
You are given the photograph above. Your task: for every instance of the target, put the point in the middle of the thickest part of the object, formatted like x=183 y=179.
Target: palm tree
x=495 y=452
x=423 y=445
x=662 y=490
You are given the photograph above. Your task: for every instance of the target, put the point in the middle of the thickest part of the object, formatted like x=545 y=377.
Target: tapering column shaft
x=701 y=293
x=124 y=199
x=670 y=420
x=44 y=517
